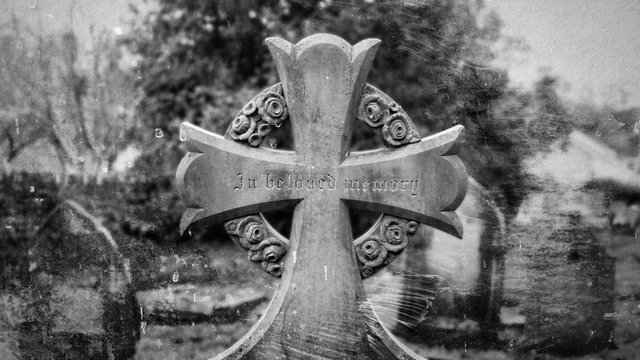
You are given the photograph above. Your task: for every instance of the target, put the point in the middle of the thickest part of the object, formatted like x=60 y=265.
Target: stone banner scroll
x=320 y=309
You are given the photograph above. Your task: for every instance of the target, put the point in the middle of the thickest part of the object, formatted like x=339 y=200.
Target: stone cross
x=320 y=310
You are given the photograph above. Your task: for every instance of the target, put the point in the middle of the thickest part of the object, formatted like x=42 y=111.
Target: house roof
x=585 y=160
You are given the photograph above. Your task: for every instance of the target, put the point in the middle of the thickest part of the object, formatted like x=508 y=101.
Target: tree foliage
x=200 y=61
x=430 y=58
x=519 y=125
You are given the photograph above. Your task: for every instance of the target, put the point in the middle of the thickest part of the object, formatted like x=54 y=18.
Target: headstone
x=82 y=302
x=563 y=280
x=626 y=315
x=320 y=309
x=190 y=304
x=443 y=291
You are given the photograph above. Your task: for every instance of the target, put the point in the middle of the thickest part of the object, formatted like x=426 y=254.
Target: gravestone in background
x=320 y=309
x=447 y=292
x=84 y=305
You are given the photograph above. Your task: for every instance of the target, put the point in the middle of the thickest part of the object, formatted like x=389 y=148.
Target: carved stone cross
x=320 y=309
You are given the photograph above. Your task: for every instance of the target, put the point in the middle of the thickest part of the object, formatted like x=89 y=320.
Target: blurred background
x=91 y=97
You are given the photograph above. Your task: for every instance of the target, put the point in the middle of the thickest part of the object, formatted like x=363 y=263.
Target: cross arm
x=424 y=181
x=221 y=179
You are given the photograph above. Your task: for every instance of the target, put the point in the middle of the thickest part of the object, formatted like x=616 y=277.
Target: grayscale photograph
x=324 y=179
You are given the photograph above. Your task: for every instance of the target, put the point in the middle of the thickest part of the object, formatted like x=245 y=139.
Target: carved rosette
x=385 y=116
x=252 y=124
x=389 y=235
x=382 y=243
x=257 y=118
x=265 y=246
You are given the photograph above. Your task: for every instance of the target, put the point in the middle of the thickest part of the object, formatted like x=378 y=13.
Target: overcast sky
x=592 y=45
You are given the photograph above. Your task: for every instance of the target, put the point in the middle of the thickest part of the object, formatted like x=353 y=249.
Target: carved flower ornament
x=272 y=108
x=273 y=269
x=242 y=127
x=270 y=250
x=370 y=251
x=374 y=251
x=250 y=231
x=264 y=247
x=374 y=110
x=256 y=118
x=385 y=116
x=396 y=130
x=393 y=234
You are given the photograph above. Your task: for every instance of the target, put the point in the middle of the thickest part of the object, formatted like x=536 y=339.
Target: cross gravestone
x=320 y=309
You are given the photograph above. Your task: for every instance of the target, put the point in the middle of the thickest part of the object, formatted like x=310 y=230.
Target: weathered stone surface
x=320 y=309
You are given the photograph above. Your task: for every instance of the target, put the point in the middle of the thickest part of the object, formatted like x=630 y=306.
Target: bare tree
x=47 y=95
